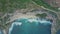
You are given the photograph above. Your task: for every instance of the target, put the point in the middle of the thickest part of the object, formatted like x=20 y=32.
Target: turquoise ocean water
x=30 y=26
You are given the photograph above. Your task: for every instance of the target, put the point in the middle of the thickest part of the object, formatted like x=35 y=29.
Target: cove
x=30 y=26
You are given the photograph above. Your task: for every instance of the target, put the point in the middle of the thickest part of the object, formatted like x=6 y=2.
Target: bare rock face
x=53 y=3
x=58 y=3
x=48 y=1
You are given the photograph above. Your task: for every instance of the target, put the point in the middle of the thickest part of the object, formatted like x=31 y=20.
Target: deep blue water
x=58 y=32
x=30 y=26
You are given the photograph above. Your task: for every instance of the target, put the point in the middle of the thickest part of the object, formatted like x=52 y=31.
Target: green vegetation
x=57 y=24
x=3 y=5
x=53 y=14
x=41 y=15
x=44 y=4
x=18 y=3
x=2 y=26
x=11 y=5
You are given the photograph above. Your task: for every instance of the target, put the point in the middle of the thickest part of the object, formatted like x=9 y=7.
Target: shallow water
x=30 y=26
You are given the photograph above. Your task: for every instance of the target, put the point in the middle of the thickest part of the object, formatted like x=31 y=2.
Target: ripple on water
x=30 y=26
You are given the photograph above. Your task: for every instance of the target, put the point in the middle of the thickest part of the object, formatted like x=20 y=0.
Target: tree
x=41 y=15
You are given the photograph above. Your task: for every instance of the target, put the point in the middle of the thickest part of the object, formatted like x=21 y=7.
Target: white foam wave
x=31 y=20
x=15 y=23
x=44 y=21
x=41 y=21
